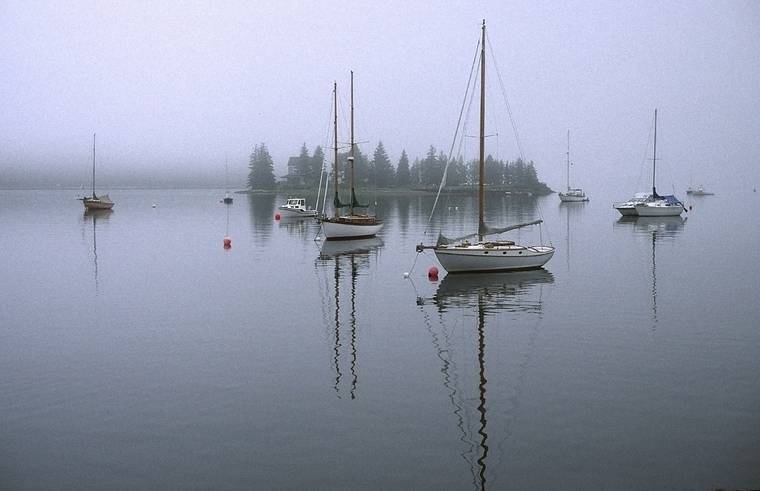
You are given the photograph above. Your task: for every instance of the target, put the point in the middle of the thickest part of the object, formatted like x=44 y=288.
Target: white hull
x=627 y=210
x=347 y=231
x=647 y=210
x=477 y=257
x=292 y=213
x=102 y=203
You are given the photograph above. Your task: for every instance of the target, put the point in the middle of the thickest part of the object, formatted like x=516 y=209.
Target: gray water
x=137 y=353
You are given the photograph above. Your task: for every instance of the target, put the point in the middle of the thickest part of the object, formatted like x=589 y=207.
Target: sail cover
x=355 y=201
x=484 y=229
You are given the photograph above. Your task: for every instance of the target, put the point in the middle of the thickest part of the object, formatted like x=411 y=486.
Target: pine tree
x=261 y=174
x=403 y=177
x=317 y=164
x=382 y=169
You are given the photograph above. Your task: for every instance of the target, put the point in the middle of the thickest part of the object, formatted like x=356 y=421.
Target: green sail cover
x=337 y=203
x=355 y=201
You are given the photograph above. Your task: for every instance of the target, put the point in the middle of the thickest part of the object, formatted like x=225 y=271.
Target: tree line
x=304 y=170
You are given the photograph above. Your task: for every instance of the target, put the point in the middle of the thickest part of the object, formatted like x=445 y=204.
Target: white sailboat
x=658 y=206
x=351 y=225
x=460 y=255
x=572 y=194
x=94 y=202
x=227 y=200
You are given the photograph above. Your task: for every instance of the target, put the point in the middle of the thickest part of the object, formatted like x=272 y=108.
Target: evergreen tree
x=415 y=172
x=261 y=174
x=382 y=169
x=457 y=174
x=315 y=168
x=432 y=168
x=494 y=171
x=361 y=167
x=403 y=177
x=303 y=164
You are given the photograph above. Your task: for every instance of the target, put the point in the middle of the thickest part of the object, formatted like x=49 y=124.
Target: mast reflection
x=94 y=215
x=659 y=229
x=490 y=295
x=346 y=257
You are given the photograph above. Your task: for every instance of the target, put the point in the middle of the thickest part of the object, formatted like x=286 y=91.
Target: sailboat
x=95 y=202
x=227 y=200
x=572 y=194
x=351 y=225
x=462 y=256
x=658 y=206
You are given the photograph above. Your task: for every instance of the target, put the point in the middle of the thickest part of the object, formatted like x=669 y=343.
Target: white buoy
x=154 y=205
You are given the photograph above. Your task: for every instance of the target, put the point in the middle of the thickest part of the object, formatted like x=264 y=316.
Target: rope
x=456 y=134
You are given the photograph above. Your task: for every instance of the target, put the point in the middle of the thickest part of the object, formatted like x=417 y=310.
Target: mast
x=654 y=155
x=568 y=160
x=481 y=165
x=351 y=151
x=93 y=165
x=336 y=201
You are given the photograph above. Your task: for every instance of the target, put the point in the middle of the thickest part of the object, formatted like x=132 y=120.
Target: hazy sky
x=174 y=85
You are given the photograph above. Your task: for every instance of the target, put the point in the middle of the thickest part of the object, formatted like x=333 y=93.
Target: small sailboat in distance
x=95 y=202
x=227 y=200
x=572 y=194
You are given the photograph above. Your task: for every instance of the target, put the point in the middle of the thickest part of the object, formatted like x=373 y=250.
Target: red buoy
x=433 y=273
x=227 y=242
x=276 y=216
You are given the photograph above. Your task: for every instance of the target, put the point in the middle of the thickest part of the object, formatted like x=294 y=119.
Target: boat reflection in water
x=659 y=229
x=93 y=215
x=516 y=295
x=345 y=258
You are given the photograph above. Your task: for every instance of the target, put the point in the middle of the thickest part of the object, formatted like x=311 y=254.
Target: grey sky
x=175 y=85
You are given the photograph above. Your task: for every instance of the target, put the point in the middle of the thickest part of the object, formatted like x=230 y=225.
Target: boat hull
x=627 y=211
x=491 y=259
x=659 y=211
x=293 y=213
x=102 y=203
x=350 y=230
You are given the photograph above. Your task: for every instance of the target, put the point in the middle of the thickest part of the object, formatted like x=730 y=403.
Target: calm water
x=137 y=353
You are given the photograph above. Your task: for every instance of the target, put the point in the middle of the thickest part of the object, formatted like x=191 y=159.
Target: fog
x=173 y=89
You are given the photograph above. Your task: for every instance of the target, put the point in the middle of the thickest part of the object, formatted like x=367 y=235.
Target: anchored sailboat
x=351 y=225
x=572 y=194
x=95 y=202
x=460 y=255
x=658 y=206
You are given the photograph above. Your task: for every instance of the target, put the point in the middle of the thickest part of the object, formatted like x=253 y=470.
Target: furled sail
x=355 y=202
x=483 y=229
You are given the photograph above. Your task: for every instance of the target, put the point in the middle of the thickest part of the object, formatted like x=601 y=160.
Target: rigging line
x=506 y=100
x=453 y=142
x=644 y=158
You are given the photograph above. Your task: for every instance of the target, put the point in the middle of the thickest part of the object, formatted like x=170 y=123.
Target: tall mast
x=654 y=155
x=482 y=165
x=93 y=165
x=351 y=151
x=336 y=202
x=568 y=160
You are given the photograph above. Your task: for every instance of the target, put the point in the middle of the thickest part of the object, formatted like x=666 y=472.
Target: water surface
x=136 y=352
